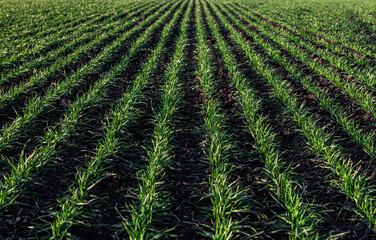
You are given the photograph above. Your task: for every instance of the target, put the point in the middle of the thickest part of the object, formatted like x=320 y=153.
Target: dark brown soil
x=10 y=110
x=187 y=213
x=314 y=179
x=34 y=208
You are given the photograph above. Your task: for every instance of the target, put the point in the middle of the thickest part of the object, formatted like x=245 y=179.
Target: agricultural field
x=188 y=119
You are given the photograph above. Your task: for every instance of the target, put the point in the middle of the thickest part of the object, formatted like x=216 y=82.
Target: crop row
x=350 y=179
x=21 y=172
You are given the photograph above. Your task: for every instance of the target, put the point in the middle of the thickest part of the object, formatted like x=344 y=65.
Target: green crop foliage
x=187 y=119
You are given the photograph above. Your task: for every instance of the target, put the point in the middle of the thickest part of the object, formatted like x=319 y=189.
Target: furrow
x=348 y=177
x=301 y=218
x=150 y=200
x=23 y=171
x=39 y=104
